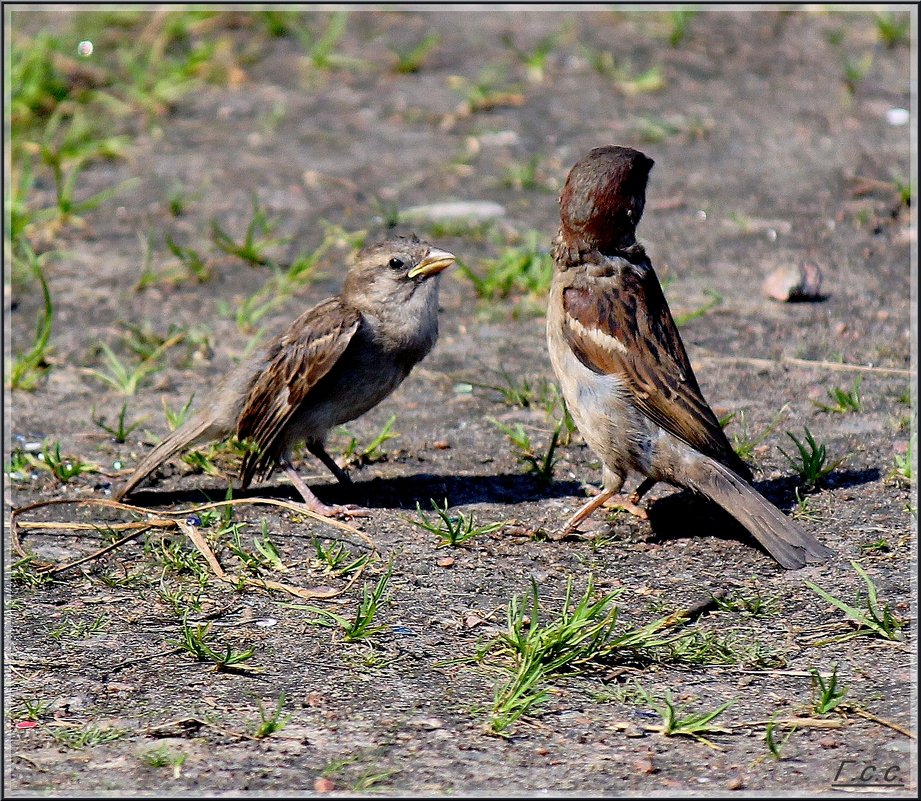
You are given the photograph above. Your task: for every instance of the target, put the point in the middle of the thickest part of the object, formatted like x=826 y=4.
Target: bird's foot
x=628 y=505
x=315 y=505
x=610 y=500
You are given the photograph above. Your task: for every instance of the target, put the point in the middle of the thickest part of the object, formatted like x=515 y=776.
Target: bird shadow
x=684 y=515
x=399 y=492
x=676 y=516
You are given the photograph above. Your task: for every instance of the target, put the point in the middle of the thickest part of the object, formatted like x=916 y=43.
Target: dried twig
x=819 y=365
x=682 y=616
x=231 y=578
x=172 y=520
x=796 y=723
x=881 y=721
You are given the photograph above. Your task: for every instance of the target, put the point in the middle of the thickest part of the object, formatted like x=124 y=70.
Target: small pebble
x=323 y=785
x=898 y=116
x=429 y=724
x=793 y=282
x=645 y=765
x=735 y=783
x=441 y=444
x=475 y=210
x=406 y=631
x=445 y=561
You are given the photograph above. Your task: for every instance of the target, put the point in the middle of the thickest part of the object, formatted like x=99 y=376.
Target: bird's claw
x=630 y=505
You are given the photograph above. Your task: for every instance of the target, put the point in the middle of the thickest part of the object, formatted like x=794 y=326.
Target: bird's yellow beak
x=436 y=261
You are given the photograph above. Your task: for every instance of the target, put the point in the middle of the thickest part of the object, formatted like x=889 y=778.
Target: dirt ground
x=776 y=137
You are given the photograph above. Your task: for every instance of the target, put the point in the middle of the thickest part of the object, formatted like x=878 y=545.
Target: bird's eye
x=396 y=264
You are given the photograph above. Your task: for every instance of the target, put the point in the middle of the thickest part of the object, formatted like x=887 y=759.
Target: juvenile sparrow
x=622 y=366
x=332 y=364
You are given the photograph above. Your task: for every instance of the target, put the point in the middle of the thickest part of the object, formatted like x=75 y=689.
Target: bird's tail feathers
x=790 y=545
x=198 y=428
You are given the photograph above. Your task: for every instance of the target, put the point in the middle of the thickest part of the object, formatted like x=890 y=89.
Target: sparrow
x=332 y=364
x=623 y=368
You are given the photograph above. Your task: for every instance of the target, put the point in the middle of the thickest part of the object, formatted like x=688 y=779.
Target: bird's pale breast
x=611 y=426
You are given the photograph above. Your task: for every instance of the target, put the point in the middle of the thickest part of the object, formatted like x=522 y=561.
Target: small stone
x=644 y=765
x=898 y=116
x=471 y=621
x=472 y=210
x=445 y=561
x=735 y=783
x=499 y=139
x=323 y=785
x=793 y=282
x=441 y=444
x=429 y=724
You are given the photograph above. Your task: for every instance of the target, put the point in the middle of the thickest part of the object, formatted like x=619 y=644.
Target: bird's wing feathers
x=622 y=326
x=298 y=359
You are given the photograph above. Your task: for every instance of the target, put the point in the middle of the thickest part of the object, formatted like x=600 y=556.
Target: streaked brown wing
x=298 y=359
x=626 y=329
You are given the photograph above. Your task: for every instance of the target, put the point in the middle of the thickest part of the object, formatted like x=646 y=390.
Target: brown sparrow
x=333 y=363
x=622 y=366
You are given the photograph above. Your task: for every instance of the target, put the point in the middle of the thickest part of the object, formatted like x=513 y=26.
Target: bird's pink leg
x=586 y=510
x=610 y=500
x=314 y=504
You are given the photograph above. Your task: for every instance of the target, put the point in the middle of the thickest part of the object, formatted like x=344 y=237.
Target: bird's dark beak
x=435 y=261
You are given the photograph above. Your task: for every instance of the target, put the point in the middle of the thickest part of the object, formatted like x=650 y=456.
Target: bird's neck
x=569 y=253
x=407 y=327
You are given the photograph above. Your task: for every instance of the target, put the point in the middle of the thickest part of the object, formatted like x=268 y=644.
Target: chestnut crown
x=603 y=198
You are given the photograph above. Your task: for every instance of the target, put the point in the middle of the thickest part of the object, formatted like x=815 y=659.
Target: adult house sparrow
x=332 y=364
x=622 y=366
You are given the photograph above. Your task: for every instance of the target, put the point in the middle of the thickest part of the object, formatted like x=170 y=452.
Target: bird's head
x=603 y=199
x=397 y=271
